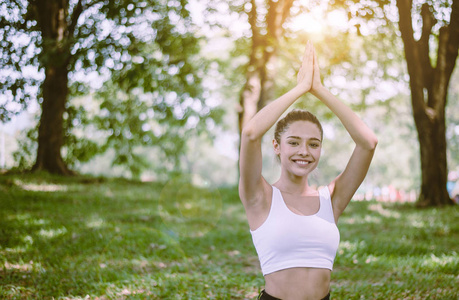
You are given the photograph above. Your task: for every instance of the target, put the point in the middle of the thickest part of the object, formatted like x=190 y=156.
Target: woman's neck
x=294 y=185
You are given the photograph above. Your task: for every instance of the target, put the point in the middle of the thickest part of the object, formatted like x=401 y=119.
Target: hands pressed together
x=308 y=78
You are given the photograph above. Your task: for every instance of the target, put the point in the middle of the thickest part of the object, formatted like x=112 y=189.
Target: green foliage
x=27 y=148
x=110 y=238
x=157 y=102
x=17 y=53
x=148 y=58
x=77 y=147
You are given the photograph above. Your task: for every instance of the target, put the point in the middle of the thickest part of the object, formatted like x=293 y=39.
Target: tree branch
x=278 y=12
x=253 y=16
x=286 y=10
x=448 y=46
x=453 y=39
x=428 y=21
x=412 y=56
x=406 y=29
x=75 y=16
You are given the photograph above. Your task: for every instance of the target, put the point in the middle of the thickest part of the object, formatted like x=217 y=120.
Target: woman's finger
x=307 y=54
x=316 y=62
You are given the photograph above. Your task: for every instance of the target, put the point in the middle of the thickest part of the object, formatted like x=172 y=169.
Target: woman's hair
x=293 y=116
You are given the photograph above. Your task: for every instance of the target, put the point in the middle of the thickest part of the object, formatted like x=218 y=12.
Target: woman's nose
x=303 y=150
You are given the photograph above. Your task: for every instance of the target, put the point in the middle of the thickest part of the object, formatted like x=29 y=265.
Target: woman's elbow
x=372 y=143
x=248 y=133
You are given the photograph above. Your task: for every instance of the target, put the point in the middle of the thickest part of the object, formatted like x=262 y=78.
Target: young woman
x=293 y=225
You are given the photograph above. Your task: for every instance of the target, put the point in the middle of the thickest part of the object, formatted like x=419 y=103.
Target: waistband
x=265 y=296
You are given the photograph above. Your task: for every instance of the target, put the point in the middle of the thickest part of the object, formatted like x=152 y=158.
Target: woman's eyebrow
x=299 y=138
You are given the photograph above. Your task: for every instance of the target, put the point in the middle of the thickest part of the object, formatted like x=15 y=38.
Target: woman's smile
x=301 y=162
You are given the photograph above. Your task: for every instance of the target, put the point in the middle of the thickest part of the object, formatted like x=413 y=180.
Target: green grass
x=69 y=238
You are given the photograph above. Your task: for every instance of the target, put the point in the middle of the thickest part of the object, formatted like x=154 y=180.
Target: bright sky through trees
x=317 y=21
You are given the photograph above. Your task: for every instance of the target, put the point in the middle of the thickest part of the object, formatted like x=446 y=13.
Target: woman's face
x=299 y=148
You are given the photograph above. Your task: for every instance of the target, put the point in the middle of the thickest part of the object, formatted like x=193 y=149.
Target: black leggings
x=265 y=296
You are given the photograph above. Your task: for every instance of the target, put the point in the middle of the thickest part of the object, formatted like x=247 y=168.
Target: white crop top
x=288 y=240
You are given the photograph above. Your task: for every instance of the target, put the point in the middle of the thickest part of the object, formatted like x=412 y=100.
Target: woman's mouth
x=301 y=162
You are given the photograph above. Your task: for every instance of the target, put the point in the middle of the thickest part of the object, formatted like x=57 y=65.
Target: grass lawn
x=89 y=238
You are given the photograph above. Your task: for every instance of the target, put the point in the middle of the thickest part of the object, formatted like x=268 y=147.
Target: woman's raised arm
x=251 y=183
x=346 y=184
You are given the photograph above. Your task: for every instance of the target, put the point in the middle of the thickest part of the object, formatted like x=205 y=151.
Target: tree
x=144 y=48
x=267 y=31
x=428 y=80
x=429 y=91
x=431 y=50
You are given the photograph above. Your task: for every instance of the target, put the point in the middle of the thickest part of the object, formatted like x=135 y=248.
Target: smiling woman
x=301 y=144
x=293 y=225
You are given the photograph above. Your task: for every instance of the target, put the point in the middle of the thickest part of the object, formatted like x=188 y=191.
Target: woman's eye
x=314 y=145
x=293 y=143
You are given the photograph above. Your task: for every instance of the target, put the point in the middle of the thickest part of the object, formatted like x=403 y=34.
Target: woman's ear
x=276 y=147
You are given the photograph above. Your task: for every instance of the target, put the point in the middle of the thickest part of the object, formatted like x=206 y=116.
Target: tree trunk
x=432 y=141
x=250 y=94
x=259 y=86
x=52 y=21
x=50 y=130
x=429 y=87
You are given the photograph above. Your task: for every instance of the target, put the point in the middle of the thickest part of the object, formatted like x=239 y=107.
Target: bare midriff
x=298 y=283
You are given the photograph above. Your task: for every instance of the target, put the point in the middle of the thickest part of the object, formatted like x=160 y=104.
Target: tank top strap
x=326 y=208
x=278 y=205
x=276 y=201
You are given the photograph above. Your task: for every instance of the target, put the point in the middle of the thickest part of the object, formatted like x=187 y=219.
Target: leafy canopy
x=137 y=60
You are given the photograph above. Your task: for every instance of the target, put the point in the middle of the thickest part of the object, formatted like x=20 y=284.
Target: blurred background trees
x=430 y=35
x=136 y=60
x=429 y=70
x=430 y=76
x=162 y=86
